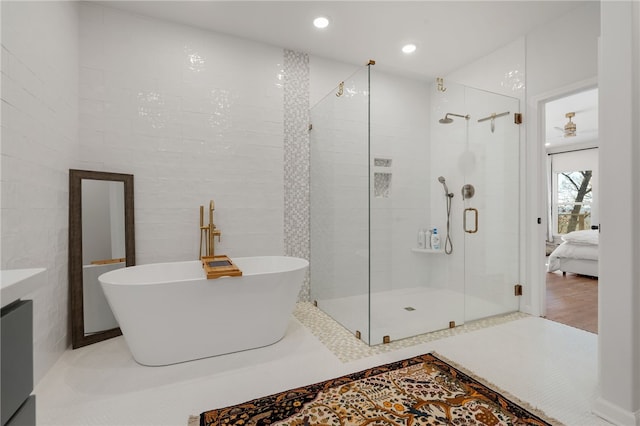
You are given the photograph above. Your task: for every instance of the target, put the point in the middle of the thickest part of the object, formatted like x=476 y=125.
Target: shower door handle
x=475 y=214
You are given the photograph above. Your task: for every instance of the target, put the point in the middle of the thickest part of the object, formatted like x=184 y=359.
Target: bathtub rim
x=296 y=263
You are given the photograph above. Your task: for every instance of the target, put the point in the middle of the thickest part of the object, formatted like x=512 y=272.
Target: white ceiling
x=449 y=34
x=585 y=106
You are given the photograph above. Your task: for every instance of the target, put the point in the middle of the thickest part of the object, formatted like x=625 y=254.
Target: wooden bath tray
x=219 y=266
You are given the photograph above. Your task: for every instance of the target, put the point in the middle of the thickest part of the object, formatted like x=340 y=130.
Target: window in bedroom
x=574 y=197
x=571 y=143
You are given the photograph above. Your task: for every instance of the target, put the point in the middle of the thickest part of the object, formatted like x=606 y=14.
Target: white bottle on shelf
x=435 y=240
x=421 y=239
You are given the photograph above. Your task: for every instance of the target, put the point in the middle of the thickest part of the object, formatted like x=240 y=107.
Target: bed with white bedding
x=578 y=254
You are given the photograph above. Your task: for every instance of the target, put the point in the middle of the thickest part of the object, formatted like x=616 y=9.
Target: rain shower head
x=447 y=120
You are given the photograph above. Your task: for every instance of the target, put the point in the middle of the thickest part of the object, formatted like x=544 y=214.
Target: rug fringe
x=527 y=406
x=194 y=421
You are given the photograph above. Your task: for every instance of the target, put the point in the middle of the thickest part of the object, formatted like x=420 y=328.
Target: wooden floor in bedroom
x=573 y=300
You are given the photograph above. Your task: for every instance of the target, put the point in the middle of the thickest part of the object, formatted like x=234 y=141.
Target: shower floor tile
x=406 y=312
x=101 y=384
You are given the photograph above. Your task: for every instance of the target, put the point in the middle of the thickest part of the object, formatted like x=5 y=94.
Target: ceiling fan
x=570 y=128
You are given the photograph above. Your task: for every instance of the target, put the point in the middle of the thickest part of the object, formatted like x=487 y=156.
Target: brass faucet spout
x=211 y=209
x=208 y=232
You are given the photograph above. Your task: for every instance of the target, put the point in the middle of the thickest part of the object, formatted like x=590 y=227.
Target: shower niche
x=382 y=175
x=375 y=158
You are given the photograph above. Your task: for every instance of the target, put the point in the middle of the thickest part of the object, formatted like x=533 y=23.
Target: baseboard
x=528 y=309
x=615 y=414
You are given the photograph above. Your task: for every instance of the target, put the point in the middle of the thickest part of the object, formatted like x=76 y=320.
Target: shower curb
x=348 y=348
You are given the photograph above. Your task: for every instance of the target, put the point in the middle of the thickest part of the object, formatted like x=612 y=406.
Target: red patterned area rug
x=424 y=390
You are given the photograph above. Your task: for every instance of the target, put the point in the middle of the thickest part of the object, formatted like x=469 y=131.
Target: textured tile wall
x=194 y=116
x=39 y=145
x=296 y=158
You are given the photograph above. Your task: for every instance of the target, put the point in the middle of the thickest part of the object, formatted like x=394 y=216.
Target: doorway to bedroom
x=571 y=145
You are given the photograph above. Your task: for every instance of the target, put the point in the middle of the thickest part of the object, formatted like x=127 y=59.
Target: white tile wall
x=325 y=75
x=194 y=116
x=339 y=179
x=400 y=131
x=339 y=182
x=502 y=71
x=483 y=265
x=39 y=144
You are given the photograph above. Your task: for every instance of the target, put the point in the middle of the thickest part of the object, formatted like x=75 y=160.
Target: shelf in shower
x=419 y=250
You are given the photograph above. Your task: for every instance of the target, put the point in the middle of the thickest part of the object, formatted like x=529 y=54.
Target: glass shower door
x=491 y=206
x=339 y=187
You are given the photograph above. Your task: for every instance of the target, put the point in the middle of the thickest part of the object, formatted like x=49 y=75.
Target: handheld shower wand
x=448 y=245
x=446 y=190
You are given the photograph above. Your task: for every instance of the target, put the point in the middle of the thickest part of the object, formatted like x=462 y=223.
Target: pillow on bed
x=586 y=237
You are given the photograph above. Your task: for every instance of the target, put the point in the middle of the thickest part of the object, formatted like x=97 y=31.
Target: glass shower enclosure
x=339 y=184
x=380 y=148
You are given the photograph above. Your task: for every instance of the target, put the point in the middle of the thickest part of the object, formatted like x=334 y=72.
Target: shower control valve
x=468 y=191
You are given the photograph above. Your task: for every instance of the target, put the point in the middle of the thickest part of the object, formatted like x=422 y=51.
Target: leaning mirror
x=101 y=238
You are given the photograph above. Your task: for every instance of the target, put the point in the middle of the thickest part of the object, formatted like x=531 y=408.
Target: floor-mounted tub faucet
x=208 y=232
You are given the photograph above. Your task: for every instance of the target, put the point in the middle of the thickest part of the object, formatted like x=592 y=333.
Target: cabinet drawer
x=16 y=360
x=26 y=415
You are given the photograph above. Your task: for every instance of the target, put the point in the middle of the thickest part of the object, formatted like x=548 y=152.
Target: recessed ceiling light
x=321 y=22
x=409 y=48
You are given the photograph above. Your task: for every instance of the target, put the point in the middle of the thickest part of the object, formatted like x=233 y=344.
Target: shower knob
x=468 y=191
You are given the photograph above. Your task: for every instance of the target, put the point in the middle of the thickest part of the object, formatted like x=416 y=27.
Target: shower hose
x=448 y=245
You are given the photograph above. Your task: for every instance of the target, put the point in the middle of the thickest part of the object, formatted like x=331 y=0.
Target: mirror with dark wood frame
x=101 y=238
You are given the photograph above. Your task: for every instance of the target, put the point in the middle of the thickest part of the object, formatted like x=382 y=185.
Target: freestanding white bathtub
x=170 y=313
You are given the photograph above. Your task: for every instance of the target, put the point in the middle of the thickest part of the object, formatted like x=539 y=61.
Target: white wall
x=482 y=267
x=339 y=197
x=619 y=272
x=194 y=116
x=325 y=75
x=564 y=51
x=338 y=180
x=561 y=55
x=39 y=144
x=502 y=71
x=491 y=268
x=400 y=117
x=340 y=206
x=446 y=154
x=520 y=69
x=399 y=132
x=550 y=57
